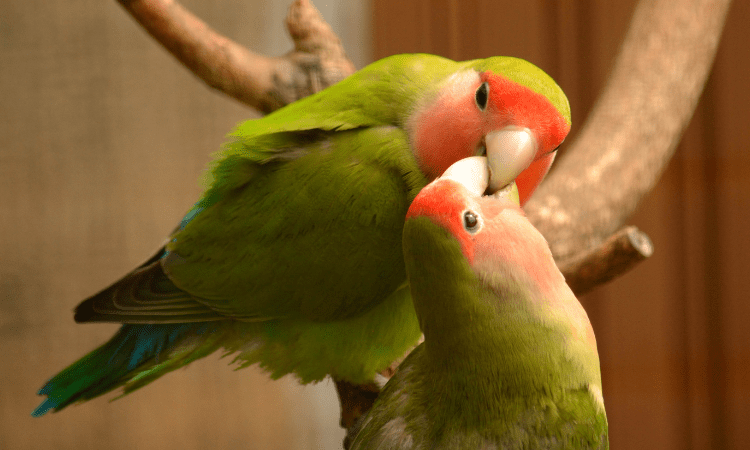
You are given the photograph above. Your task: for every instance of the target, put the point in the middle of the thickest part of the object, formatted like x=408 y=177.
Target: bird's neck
x=502 y=346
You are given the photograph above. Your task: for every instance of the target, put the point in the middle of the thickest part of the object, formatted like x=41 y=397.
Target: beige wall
x=103 y=137
x=674 y=334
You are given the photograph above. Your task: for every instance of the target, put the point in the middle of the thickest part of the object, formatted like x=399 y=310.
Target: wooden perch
x=262 y=82
x=613 y=257
x=634 y=128
x=356 y=399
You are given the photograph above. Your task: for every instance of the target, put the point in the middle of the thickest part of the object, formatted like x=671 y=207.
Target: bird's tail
x=135 y=356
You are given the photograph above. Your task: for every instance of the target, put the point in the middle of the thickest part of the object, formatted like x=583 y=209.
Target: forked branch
x=262 y=82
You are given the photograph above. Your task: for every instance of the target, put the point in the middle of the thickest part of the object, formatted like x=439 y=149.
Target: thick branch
x=356 y=399
x=634 y=127
x=615 y=256
x=265 y=83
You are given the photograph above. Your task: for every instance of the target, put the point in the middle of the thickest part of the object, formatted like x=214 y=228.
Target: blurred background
x=103 y=137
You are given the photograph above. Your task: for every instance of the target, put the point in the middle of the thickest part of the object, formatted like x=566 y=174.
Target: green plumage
x=298 y=257
x=503 y=365
x=292 y=256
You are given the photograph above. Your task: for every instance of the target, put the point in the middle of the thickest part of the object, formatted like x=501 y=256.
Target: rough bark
x=262 y=82
x=615 y=256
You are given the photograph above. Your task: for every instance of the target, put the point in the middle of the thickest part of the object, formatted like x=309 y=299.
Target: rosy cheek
x=441 y=156
x=433 y=150
x=442 y=139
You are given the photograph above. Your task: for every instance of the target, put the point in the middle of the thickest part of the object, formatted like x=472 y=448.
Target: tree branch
x=634 y=128
x=356 y=399
x=263 y=82
x=613 y=257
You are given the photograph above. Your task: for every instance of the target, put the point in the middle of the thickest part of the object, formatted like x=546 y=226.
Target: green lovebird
x=292 y=258
x=509 y=359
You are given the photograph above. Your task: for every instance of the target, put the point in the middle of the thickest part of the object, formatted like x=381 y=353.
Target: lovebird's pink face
x=478 y=113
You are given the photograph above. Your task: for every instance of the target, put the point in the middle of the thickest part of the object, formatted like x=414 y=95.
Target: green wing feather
x=290 y=241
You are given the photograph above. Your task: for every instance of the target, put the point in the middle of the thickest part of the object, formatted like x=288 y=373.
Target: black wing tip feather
x=84 y=312
x=145 y=295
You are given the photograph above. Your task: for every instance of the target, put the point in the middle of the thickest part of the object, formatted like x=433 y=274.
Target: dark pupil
x=482 y=95
x=470 y=219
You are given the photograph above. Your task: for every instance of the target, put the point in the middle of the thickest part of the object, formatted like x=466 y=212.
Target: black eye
x=482 y=95
x=471 y=222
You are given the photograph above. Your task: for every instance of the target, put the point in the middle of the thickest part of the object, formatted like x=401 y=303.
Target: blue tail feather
x=132 y=349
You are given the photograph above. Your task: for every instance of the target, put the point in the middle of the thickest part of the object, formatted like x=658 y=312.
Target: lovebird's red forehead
x=439 y=199
x=443 y=201
x=526 y=108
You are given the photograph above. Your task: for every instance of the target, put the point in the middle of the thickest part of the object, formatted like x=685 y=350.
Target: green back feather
x=322 y=241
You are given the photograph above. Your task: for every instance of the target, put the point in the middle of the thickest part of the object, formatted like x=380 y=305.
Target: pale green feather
x=381 y=94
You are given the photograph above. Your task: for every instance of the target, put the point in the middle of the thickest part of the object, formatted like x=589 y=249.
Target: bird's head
x=502 y=107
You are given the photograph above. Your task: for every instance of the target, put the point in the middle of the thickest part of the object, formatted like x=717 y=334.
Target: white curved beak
x=474 y=174
x=509 y=152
